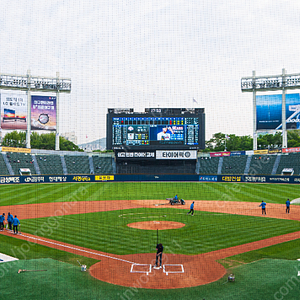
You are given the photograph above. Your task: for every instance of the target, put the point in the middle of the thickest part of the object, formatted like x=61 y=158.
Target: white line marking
x=77 y=249
x=164 y=269
x=134 y=264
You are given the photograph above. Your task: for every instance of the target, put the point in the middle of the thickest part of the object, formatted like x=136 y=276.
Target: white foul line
x=74 y=248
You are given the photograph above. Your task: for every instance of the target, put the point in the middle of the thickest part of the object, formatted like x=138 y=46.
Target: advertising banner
x=291 y=150
x=208 y=178
x=43 y=113
x=135 y=155
x=237 y=153
x=218 y=154
x=14 y=149
x=180 y=154
x=13 y=111
x=269 y=112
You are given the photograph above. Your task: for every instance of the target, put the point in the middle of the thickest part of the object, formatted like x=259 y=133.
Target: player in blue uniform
x=287 y=203
x=192 y=208
x=10 y=219
x=2 y=220
x=263 y=207
x=16 y=223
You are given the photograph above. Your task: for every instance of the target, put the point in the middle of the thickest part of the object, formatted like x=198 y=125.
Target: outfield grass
x=249 y=192
x=204 y=232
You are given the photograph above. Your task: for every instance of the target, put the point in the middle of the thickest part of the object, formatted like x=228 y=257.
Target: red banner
x=291 y=150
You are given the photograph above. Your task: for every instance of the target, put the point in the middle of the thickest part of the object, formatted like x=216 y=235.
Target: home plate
x=6 y=258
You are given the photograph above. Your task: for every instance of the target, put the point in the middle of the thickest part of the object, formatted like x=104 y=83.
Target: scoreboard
x=163 y=128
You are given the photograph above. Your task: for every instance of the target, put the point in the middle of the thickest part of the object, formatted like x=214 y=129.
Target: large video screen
x=132 y=131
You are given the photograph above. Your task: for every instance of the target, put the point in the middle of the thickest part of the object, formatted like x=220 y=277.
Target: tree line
x=231 y=142
x=38 y=141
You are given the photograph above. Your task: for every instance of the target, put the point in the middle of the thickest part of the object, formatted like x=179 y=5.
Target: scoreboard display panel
x=166 y=129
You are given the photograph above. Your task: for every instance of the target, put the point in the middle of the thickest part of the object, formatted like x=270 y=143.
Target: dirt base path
x=191 y=270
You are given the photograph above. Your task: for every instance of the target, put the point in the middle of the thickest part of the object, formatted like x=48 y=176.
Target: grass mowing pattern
x=248 y=192
x=205 y=232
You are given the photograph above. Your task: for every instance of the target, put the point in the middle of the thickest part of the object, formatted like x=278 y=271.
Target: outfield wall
x=153 y=178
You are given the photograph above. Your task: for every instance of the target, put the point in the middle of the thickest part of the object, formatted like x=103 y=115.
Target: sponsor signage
x=218 y=154
x=13 y=149
x=208 y=178
x=291 y=150
x=257 y=152
x=231 y=178
x=255 y=178
x=104 y=177
x=135 y=155
x=43 y=113
x=13 y=111
x=180 y=154
x=237 y=153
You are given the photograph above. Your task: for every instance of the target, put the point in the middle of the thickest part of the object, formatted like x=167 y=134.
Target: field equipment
x=23 y=270
x=173 y=201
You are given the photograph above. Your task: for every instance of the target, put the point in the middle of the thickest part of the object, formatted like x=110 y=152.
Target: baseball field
x=113 y=229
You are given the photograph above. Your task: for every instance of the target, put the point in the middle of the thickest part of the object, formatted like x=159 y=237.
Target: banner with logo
x=43 y=113
x=179 y=154
x=13 y=111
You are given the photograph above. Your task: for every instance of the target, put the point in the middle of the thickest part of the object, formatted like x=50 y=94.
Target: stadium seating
x=262 y=164
x=49 y=164
x=234 y=164
x=208 y=165
x=102 y=165
x=20 y=160
x=77 y=164
x=3 y=167
x=291 y=160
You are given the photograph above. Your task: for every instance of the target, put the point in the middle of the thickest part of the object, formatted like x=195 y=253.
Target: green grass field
x=249 y=192
x=202 y=233
x=205 y=232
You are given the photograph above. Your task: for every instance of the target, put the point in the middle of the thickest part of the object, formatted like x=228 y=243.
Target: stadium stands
x=103 y=165
x=20 y=160
x=77 y=164
x=49 y=164
x=291 y=160
x=234 y=164
x=262 y=164
x=208 y=165
x=3 y=167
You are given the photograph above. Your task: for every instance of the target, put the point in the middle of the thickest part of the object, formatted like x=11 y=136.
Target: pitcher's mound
x=154 y=225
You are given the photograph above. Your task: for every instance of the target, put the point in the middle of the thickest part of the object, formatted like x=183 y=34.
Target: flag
x=195 y=101
x=227 y=137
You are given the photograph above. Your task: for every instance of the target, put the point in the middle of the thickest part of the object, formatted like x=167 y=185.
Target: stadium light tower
x=281 y=82
x=30 y=84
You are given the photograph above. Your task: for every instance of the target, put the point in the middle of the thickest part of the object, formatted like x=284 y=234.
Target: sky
x=154 y=53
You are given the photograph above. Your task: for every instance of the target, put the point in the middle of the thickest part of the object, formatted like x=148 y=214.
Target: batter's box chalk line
x=172 y=265
x=135 y=270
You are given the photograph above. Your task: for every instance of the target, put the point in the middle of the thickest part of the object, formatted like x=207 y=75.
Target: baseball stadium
x=184 y=182
x=90 y=224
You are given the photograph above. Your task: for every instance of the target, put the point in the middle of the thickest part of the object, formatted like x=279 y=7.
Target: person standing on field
x=263 y=207
x=2 y=220
x=10 y=219
x=287 y=203
x=16 y=223
x=192 y=208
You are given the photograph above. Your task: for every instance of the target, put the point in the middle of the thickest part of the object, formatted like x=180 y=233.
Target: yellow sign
x=104 y=177
x=261 y=151
x=13 y=149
